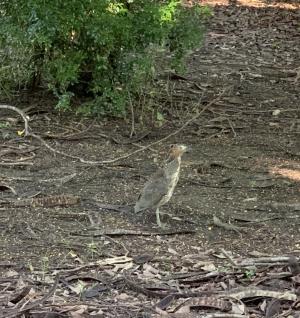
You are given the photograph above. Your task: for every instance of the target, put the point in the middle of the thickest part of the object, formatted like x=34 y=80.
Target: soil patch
x=237 y=199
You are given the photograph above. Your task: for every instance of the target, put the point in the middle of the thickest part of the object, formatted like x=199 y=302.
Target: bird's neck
x=172 y=158
x=173 y=164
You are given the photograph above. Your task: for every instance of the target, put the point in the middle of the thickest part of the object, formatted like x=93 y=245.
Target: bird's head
x=177 y=151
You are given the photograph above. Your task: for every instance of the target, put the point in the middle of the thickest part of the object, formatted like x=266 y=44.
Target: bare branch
x=108 y=161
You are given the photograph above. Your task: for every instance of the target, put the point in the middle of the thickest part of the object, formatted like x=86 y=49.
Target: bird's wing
x=154 y=190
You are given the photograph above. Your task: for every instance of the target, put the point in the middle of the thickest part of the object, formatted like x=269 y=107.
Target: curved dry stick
x=21 y=113
x=170 y=135
x=29 y=134
x=15 y=312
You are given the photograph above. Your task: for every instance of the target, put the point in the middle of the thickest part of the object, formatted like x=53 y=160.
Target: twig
x=253 y=292
x=16 y=151
x=120 y=232
x=19 y=311
x=15 y=298
x=61 y=181
x=21 y=113
x=99 y=264
x=113 y=207
x=230 y=258
x=20 y=160
x=196 y=315
x=284 y=206
x=127 y=252
x=18 y=163
x=140 y=289
x=265 y=261
x=5 y=186
x=232 y=128
x=61 y=152
x=226 y=226
x=46 y=201
x=169 y=136
x=7 y=264
x=132 y=132
x=27 y=133
x=73 y=136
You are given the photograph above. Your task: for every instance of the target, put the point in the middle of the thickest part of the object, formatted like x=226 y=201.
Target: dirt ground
x=238 y=194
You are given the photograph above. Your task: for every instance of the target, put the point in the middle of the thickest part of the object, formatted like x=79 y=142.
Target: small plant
x=159 y=118
x=250 y=273
x=92 y=249
x=45 y=266
x=4 y=124
x=30 y=267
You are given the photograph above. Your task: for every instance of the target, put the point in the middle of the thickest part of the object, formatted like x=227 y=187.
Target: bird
x=159 y=189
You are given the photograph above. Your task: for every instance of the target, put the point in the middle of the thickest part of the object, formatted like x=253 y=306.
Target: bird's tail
x=138 y=208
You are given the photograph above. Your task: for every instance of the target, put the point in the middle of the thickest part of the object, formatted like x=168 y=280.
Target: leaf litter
x=252 y=49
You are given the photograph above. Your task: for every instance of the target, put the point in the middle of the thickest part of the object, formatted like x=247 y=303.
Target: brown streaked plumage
x=159 y=189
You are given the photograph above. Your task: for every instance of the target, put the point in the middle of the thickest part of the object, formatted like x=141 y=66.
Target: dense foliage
x=106 y=50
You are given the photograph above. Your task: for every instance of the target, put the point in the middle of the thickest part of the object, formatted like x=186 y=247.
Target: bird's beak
x=187 y=149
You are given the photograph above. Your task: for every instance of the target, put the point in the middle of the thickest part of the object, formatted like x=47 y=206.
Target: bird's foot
x=159 y=223
x=163 y=226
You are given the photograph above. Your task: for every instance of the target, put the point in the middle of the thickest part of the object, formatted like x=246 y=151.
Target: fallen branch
x=101 y=263
x=141 y=288
x=7 y=264
x=21 y=113
x=46 y=201
x=253 y=292
x=120 y=232
x=196 y=315
x=8 y=150
x=137 y=287
x=19 y=160
x=113 y=207
x=20 y=295
x=282 y=260
x=284 y=206
x=208 y=302
x=17 y=163
x=4 y=187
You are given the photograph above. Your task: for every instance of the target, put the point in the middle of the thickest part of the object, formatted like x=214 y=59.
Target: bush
x=106 y=50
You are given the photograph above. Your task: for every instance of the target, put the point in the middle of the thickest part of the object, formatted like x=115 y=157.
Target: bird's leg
x=158 y=219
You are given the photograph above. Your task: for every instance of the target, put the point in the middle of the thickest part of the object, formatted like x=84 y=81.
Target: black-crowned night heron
x=159 y=189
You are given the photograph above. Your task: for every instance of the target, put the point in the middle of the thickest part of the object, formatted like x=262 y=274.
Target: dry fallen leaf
x=238 y=308
x=172 y=251
x=210 y=267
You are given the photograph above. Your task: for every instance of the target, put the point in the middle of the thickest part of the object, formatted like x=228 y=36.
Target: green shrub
x=104 y=50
